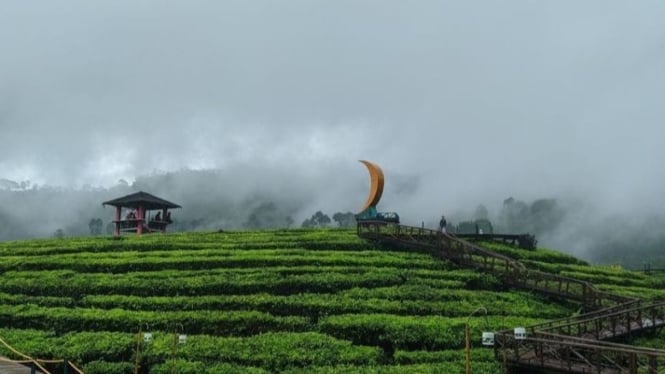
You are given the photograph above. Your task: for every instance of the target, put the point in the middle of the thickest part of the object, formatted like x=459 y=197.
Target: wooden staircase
x=577 y=344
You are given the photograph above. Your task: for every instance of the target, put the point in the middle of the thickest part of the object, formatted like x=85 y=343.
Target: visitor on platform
x=158 y=217
x=442 y=224
x=168 y=217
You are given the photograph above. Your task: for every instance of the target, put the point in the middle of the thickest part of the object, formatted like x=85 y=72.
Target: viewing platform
x=134 y=213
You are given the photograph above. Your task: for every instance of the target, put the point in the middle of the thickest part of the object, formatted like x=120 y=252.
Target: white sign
x=488 y=338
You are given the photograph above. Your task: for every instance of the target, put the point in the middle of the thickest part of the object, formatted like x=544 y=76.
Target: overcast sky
x=455 y=100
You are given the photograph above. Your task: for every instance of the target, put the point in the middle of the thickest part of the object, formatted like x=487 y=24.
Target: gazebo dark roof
x=145 y=199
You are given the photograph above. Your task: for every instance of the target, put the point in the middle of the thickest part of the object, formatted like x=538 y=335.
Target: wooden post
x=467 y=348
x=568 y=358
x=505 y=360
x=628 y=324
x=117 y=221
x=173 y=352
x=541 y=354
x=653 y=365
x=137 y=361
x=164 y=211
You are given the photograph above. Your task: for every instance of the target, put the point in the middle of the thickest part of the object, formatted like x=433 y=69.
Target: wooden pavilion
x=138 y=217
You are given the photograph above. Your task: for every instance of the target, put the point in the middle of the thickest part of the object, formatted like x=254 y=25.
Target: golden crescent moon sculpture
x=376 y=184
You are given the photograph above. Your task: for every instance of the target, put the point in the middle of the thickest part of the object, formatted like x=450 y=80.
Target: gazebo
x=139 y=204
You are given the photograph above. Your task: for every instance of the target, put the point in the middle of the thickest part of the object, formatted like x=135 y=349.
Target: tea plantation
x=292 y=301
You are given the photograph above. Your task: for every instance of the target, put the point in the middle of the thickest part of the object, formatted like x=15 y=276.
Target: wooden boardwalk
x=10 y=367
x=574 y=345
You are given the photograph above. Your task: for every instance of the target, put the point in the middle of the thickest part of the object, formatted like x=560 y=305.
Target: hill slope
x=297 y=301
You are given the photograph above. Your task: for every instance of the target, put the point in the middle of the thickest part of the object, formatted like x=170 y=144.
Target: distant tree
x=481 y=212
x=318 y=219
x=289 y=221
x=545 y=215
x=347 y=219
x=6 y=184
x=264 y=216
x=514 y=216
x=466 y=227
x=59 y=233
x=539 y=217
x=337 y=217
x=307 y=223
x=95 y=226
x=322 y=220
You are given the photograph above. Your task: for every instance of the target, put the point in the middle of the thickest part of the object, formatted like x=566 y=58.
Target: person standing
x=443 y=224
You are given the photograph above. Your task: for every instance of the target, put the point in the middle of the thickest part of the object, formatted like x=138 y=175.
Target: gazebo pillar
x=140 y=216
x=164 y=211
x=116 y=232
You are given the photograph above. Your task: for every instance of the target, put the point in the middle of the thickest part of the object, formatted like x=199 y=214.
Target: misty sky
x=455 y=100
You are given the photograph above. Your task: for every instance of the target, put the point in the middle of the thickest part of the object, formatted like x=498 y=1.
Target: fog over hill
x=226 y=107
x=246 y=198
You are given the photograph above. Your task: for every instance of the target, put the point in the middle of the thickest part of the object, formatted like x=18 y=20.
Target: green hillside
x=295 y=301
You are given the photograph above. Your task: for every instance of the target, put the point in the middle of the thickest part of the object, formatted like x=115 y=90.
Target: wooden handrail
x=463 y=252
x=605 y=306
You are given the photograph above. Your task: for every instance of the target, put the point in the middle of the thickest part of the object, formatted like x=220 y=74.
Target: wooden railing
x=509 y=270
x=549 y=325
x=612 y=324
x=574 y=344
x=575 y=355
